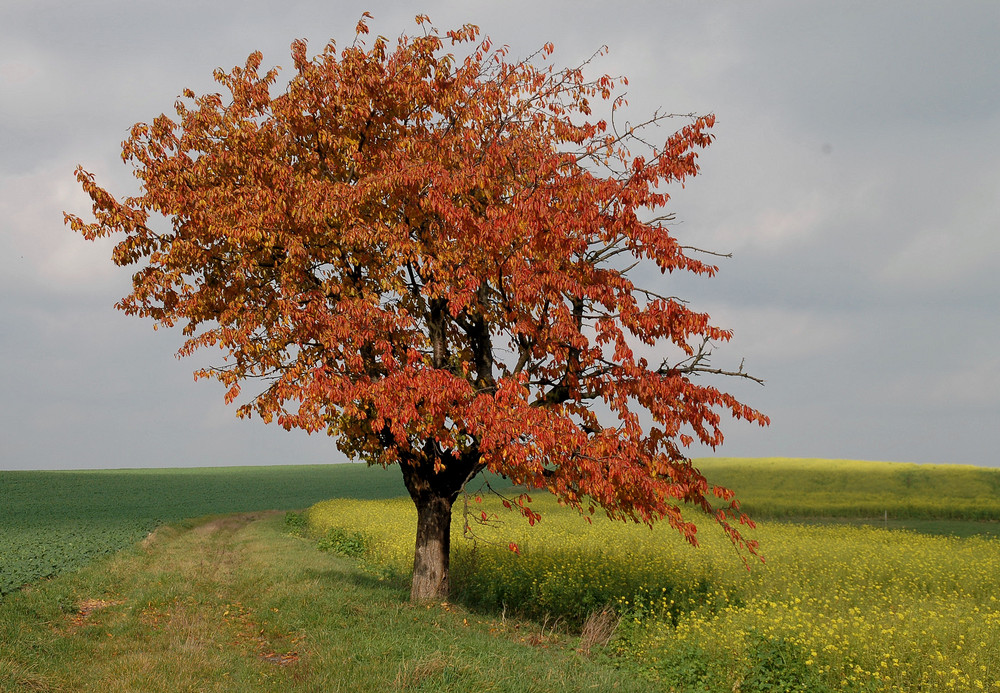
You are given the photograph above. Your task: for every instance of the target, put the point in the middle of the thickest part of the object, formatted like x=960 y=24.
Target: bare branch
x=706 y=252
x=739 y=373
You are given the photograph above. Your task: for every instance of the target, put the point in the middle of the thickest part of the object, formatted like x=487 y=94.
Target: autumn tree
x=439 y=260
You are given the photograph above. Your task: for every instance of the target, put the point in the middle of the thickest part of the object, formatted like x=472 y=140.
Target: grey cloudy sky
x=855 y=178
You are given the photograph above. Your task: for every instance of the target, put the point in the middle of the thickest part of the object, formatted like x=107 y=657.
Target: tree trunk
x=434 y=489
x=431 y=557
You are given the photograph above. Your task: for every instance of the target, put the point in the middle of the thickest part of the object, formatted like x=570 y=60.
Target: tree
x=436 y=260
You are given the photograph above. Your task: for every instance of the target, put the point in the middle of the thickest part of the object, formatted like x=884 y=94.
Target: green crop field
x=811 y=488
x=51 y=521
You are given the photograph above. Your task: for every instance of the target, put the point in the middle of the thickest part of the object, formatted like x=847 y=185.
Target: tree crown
x=438 y=259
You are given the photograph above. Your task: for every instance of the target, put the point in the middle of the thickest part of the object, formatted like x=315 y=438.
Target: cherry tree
x=445 y=260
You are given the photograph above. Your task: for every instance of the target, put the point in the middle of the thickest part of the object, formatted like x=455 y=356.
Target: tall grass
x=230 y=604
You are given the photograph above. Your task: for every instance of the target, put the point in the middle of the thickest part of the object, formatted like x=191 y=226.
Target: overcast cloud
x=855 y=178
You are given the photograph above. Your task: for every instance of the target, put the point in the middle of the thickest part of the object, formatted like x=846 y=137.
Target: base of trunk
x=432 y=554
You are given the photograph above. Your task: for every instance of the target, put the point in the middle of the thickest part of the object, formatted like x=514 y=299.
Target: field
x=846 y=600
x=51 y=522
x=835 y=607
x=237 y=604
x=809 y=488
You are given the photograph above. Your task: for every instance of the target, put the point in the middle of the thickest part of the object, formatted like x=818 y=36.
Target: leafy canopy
x=435 y=259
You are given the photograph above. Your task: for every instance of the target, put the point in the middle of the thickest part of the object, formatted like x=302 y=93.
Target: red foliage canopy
x=434 y=259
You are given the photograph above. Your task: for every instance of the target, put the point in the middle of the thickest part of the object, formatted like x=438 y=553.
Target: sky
x=855 y=179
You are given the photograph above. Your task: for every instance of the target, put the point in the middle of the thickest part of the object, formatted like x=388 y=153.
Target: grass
x=846 y=600
x=796 y=488
x=206 y=606
x=943 y=528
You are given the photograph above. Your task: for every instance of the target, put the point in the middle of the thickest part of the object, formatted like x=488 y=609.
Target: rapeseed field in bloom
x=834 y=607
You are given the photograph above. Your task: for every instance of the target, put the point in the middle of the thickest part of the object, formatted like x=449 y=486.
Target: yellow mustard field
x=832 y=608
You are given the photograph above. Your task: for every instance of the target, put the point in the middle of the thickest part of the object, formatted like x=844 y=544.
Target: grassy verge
x=235 y=603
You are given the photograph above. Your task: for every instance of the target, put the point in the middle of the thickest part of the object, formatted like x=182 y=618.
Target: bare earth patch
x=84 y=610
x=232 y=523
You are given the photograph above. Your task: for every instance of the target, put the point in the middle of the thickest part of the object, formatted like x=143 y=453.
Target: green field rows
x=52 y=521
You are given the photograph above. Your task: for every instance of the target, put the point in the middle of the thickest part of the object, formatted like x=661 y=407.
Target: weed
x=336 y=540
x=776 y=665
x=295 y=523
x=598 y=629
x=688 y=667
x=846 y=607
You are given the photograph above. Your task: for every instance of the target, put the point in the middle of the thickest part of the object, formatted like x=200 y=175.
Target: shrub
x=295 y=523
x=345 y=543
